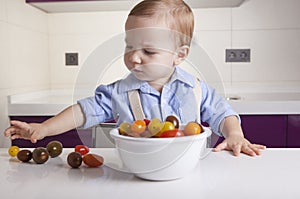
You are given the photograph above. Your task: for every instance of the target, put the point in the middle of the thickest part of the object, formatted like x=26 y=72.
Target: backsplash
x=270 y=28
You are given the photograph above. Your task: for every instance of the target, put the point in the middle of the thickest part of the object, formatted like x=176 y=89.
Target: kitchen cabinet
x=69 y=139
x=270 y=130
x=102 y=138
x=54 y=6
x=293 y=131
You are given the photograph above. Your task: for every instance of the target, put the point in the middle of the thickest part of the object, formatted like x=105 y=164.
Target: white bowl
x=160 y=158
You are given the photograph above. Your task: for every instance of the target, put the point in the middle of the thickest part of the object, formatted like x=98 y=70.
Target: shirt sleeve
x=214 y=108
x=97 y=109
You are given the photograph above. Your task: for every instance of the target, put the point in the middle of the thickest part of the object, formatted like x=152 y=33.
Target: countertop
x=274 y=174
x=51 y=102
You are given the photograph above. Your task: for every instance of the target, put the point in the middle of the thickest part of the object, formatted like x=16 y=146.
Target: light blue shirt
x=177 y=98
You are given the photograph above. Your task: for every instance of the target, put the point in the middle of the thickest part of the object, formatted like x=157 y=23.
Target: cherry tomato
x=173 y=120
x=125 y=128
x=192 y=128
x=155 y=126
x=13 y=151
x=138 y=126
x=172 y=133
x=82 y=149
x=147 y=121
x=24 y=155
x=74 y=159
x=40 y=155
x=166 y=127
x=93 y=160
x=54 y=148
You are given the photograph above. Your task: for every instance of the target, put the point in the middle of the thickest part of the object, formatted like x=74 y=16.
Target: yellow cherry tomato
x=167 y=126
x=13 y=151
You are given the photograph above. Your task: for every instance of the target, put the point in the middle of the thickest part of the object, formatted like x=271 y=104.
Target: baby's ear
x=181 y=53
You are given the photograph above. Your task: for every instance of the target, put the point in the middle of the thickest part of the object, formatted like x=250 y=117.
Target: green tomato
x=155 y=126
x=125 y=128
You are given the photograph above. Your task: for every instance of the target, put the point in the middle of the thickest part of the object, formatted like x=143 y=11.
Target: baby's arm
x=234 y=139
x=68 y=119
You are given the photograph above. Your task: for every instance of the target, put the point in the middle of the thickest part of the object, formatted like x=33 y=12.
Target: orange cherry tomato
x=192 y=128
x=82 y=149
x=172 y=133
x=138 y=126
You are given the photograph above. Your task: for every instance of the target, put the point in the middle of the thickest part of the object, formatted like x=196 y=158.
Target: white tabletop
x=274 y=174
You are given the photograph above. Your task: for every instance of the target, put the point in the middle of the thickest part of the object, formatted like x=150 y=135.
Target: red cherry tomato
x=147 y=121
x=172 y=133
x=93 y=160
x=82 y=149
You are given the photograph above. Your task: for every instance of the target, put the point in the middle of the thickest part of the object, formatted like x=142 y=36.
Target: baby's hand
x=239 y=144
x=24 y=130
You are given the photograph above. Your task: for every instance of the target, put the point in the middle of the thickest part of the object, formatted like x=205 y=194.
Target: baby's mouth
x=136 y=70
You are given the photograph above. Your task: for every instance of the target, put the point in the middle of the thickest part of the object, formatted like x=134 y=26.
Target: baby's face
x=150 y=50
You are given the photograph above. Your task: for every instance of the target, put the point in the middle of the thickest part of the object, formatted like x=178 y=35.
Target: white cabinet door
x=101 y=137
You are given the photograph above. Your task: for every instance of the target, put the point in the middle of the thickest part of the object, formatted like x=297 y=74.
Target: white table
x=274 y=174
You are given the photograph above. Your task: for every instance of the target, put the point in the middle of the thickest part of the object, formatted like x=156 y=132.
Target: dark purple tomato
x=40 y=155
x=24 y=155
x=173 y=120
x=54 y=148
x=74 y=159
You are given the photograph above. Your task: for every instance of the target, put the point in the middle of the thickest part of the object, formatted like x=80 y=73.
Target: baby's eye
x=149 y=52
x=128 y=47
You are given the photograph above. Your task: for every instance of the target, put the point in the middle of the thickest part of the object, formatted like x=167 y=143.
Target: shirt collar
x=132 y=83
x=183 y=76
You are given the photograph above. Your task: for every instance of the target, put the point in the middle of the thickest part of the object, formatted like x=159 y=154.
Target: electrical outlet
x=238 y=55
x=71 y=59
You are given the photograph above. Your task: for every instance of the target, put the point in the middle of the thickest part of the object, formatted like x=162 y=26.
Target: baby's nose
x=135 y=57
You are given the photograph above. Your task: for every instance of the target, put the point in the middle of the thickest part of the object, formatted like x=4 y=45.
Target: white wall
x=271 y=28
x=23 y=54
x=82 y=33
x=272 y=31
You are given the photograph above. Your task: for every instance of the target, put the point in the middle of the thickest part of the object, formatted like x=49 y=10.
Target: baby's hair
x=176 y=13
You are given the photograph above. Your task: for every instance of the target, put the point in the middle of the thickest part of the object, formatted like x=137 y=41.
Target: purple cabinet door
x=269 y=130
x=293 y=132
x=69 y=139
